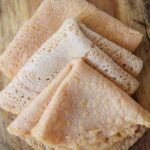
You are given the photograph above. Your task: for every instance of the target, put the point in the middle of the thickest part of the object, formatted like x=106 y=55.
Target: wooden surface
x=132 y=12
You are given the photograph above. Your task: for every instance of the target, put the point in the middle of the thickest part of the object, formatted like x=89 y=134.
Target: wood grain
x=134 y=13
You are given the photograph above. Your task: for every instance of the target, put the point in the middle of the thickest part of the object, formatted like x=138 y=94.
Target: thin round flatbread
x=47 y=20
x=66 y=44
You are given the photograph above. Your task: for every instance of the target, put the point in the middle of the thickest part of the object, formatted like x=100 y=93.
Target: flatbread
x=29 y=38
x=121 y=56
x=112 y=71
x=65 y=45
x=72 y=111
x=49 y=17
x=124 y=145
x=25 y=122
x=88 y=111
x=31 y=115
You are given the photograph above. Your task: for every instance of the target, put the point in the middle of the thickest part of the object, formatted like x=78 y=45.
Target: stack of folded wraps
x=73 y=73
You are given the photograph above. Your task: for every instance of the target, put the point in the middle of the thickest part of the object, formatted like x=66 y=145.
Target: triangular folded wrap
x=25 y=122
x=49 y=17
x=83 y=108
x=121 y=56
x=89 y=111
x=65 y=45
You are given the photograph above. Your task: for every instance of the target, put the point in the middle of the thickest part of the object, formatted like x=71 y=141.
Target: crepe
x=124 y=145
x=89 y=111
x=121 y=56
x=86 y=110
x=49 y=17
x=29 y=38
x=30 y=116
x=65 y=45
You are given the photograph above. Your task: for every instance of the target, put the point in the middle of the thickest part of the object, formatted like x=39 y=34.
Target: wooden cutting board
x=134 y=13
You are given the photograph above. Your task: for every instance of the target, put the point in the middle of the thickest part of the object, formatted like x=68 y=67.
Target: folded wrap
x=49 y=17
x=81 y=109
x=66 y=44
